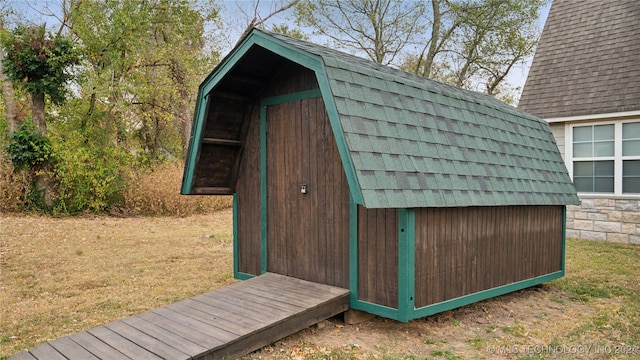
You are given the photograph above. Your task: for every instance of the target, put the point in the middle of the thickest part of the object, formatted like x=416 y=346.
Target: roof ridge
x=409 y=78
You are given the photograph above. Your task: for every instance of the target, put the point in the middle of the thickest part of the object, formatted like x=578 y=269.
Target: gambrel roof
x=588 y=60
x=405 y=141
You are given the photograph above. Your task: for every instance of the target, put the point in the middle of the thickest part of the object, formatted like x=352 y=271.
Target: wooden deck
x=224 y=323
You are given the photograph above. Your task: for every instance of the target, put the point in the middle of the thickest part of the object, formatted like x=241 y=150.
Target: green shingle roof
x=414 y=142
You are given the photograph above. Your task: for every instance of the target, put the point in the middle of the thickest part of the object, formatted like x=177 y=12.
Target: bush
x=27 y=147
x=88 y=168
x=14 y=186
x=156 y=191
x=88 y=177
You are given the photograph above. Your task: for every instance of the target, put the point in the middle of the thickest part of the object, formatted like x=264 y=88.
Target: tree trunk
x=37 y=112
x=9 y=104
x=435 y=38
x=8 y=95
x=44 y=183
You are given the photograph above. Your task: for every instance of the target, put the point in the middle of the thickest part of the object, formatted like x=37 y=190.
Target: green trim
x=375 y=309
x=306 y=59
x=353 y=250
x=338 y=133
x=256 y=37
x=268 y=42
x=406 y=264
x=483 y=295
x=194 y=144
x=242 y=276
x=281 y=99
x=236 y=250
x=564 y=239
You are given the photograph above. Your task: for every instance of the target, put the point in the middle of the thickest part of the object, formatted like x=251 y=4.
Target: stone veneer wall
x=615 y=220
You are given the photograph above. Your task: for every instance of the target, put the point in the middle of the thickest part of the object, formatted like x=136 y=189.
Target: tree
x=39 y=63
x=476 y=43
x=473 y=44
x=144 y=62
x=8 y=94
x=382 y=29
x=444 y=23
x=257 y=19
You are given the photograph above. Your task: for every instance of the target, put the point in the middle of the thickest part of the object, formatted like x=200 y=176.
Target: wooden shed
x=416 y=196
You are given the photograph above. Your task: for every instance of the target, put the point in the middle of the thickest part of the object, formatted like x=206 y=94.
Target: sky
x=234 y=19
x=516 y=77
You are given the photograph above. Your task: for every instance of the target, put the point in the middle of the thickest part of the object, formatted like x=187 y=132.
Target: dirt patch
x=532 y=317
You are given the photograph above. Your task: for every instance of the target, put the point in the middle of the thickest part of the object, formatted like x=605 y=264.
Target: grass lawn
x=63 y=275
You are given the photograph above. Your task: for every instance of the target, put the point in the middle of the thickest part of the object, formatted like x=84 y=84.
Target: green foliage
x=13 y=186
x=88 y=168
x=144 y=61
x=37 y=61
x=27 y=147
x=4 y=129
x=285 y=29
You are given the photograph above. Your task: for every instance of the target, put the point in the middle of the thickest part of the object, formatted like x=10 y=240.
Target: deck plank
x=46 y=351
x=256 y=312
x=174 y=340
x=146 y=341
x=224 y=323
x=287 y=297
x=95 y=346
x=24 y=355
x=184 y=331
x=260 y=298
x=234 y=324
x=298 y=286
x=71 y=350
x=234 y=313
x=278 y=330
x=214 y=331
x=122 y=344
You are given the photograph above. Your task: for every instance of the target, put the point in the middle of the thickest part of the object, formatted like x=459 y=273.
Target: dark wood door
x=307 y=195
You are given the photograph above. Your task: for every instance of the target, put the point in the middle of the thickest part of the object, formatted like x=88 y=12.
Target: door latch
x=303 y=188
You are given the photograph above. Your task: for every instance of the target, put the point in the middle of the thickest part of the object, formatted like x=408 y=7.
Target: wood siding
x=248 y=195
x=461 y=251
x=288 y=78
x=378 y=256
x=307 y=234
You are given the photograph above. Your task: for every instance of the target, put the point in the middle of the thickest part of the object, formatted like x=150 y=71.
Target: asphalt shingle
x=415 y=142
x=586 y=61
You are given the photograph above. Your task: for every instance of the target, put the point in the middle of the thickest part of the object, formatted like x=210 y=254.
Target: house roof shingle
x=587 y=61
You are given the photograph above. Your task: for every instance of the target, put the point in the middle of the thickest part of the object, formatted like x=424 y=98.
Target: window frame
x=617 y=155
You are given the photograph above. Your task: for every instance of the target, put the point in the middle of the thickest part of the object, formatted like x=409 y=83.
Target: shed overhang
x=220 y=119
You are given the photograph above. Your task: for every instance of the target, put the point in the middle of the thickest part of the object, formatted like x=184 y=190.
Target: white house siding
x=558 y=133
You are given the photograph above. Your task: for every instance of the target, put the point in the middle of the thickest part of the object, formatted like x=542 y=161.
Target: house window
x=631 y=158
x=605 y=158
